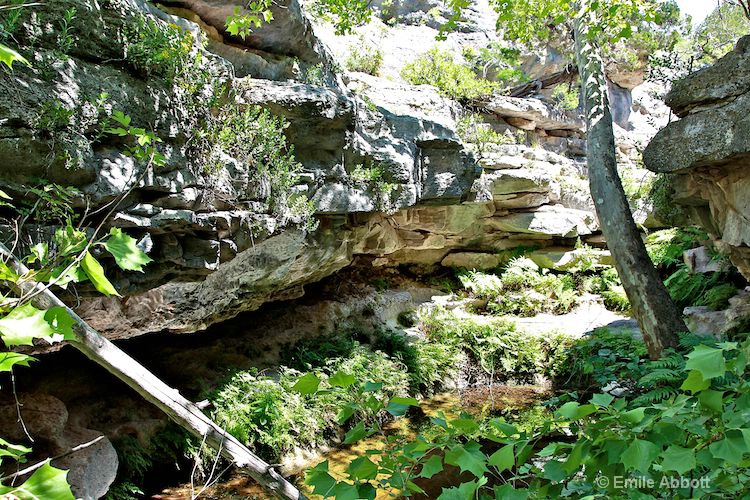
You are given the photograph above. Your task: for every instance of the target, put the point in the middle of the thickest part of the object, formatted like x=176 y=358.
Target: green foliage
x=667 y=246
x=523 y=289
x=155 y=48
x=454 y=80
x=502 y=63
x=344 y=14
x=717 y=298
x=65 y=37
x=661 y=196
x=718 y=33
x=566 y=97
x=364 y=58
x=8 y=56
x=243 y=22
x=475 y=132
x=373 y=179
x=689 y=289
x=314 y=75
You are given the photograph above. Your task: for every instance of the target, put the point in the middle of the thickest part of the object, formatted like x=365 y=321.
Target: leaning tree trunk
x=178 y=408
x=659 y=318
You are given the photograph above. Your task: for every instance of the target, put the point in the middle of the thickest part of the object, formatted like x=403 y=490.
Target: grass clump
x=158 y=49
x=453 y=80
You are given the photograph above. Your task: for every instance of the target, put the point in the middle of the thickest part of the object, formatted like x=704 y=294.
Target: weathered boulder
x=707 y=151
x=45 y=419
x=543 y=115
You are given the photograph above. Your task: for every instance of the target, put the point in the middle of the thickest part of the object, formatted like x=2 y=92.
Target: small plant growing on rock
x=364 y=58
x=566 y=97
x=454 y=80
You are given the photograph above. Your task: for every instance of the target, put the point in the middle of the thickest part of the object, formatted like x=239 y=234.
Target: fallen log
x=185 y=413
x=527 y=89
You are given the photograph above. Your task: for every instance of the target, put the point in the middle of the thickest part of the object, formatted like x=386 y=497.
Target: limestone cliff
x=218 y=245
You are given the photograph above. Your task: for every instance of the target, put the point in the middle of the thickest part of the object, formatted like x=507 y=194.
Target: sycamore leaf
x=574 y=411
x=8 y=56
x=713 y=400
x=125 y=251
x=355 y=433
x=709 y=361
x=640 y=455
x=23 y=324
x=341 y=379
x=398 y=406
x=95 y=272
x=45 y=482
x=10 y=359
x=503 y=458
x=307 y=384
x=731 y=448
x=432 y=466
x=678 y=459
x=61 y=322
x=467 y=457
x=695 y=382
x=321 y=481
x=4 y=195
x=362 y=468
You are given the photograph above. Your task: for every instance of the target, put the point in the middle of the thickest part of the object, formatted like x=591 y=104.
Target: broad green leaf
x=10 y=359
x=467 y=457
x=504 y=427
x=95 y=273
x=634 y=416
x=575 y=411
x=398 y=406
x=125 y=251
x=4 y=195
x=695 y=382
x=61 y=322
x=23 y=324
x=731 y=448
x=602 y=399
x=640 y=455
x=341 y=379
x=432 y=466
x=345 y=414
x=463 y=492
x=713 y=400
x=47 y=482
x=372 y=386
x=362 y=468
x=345 y=491
x=8 y=56
x=503 y=458
x=355 y=433
x=307 y=384
x=321 y=481
x=508 y=492
x=367 y=491
x=709 y=361
x=553 y=470
x=678 y=459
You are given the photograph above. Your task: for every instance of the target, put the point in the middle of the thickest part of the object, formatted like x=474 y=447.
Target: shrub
x=472 y=130
x=364 y=58
x=158 y=49
x=566 y=97
x=615 y=299
x=667 y=246
x=454 y=80
x=503 y=62
x=661 y=197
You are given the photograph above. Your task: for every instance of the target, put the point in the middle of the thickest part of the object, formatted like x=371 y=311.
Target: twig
x=37 y=465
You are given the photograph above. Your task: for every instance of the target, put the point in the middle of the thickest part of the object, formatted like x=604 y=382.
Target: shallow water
x=482 y=400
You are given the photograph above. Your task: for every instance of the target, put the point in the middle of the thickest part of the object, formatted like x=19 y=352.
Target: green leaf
x=731 y=448
x=640 y=455
x=345 y=491
x=95 y=273
x=61 y=322
x=355 y=433
x=321 y=481
x=23 y=324
x=45 y=482
x=372 y=386
x=634 y=416
x=362 y=468
x=432 y=466
x=574 y=411
x=467 y=457
x=678 y=459
x=125 y=251
x=503 y=458
x=4 y=195
x=508 y=492
x=8 y=56
x=398 y=406
x=10 y=359
x=345 y=414
x=465 y=425
x=713 y=400
x=695 y=382
x=709 y=361
x=602 y=399
x=307 y=384
x=341 y=379
x=463 y=492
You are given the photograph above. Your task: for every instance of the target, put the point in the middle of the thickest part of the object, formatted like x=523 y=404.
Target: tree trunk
x=657 y=315
x=183 y=412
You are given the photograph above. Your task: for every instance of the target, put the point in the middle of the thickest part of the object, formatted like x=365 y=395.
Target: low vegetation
x=364 y=58
x=452 y=79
